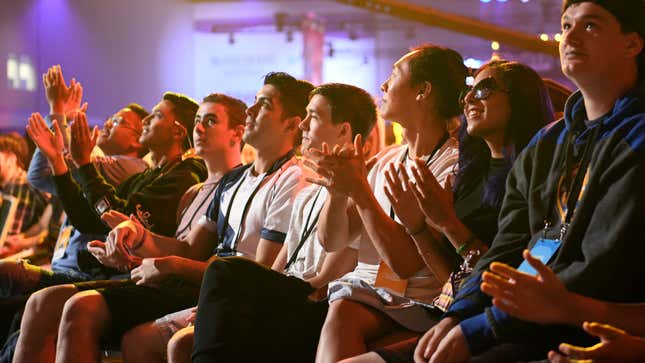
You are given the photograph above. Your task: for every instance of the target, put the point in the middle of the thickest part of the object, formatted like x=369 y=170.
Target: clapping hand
x=84 y=141
x=398 y=191
x=615 y=346
x=525 y=296
x=435 y=201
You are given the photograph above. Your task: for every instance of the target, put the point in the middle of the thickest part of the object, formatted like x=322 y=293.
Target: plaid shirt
x=31 y=202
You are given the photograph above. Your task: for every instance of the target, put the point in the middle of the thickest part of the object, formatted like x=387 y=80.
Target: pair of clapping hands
x=343 y=170
x=118 y=249
x=542 y=299
x=63 y=100
x=530 y=298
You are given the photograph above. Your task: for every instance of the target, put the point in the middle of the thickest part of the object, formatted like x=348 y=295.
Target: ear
x=292 y=124
x=345 y=129
x=634 y=44
x=238 y=132
x=424 y=91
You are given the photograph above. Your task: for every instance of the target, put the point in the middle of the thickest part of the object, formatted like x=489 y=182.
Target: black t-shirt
x=480 y=218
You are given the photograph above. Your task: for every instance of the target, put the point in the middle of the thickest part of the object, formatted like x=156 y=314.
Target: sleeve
x=471 y=306
x=79 y=213
x=39 y=174
x=276 y=224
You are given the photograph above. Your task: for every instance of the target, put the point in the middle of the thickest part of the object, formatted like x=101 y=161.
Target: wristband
x=465 y=245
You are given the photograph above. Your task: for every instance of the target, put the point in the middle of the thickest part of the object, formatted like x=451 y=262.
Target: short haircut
x=351 y=104
x=629 y=14
x=16 y=145
x=235 y=108
x=184 y=110
x=444 y=68
x=138 y=110
x=294 y=93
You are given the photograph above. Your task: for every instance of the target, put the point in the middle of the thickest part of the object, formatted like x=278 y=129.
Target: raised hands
x=402 y=199
x=61 y=98
x=50 y=142
x=435 y=201
x=341 y=170
x=615 y=346
x=528 y=297
x=83 y=140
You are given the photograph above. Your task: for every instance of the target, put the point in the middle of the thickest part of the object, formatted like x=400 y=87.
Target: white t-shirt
x=422 y=286
x=268 y=211
x=304 y=216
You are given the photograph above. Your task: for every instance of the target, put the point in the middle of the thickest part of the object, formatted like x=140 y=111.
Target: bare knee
x=143 y=343
x=180 y=346
x=85 y=312
x=48 y=303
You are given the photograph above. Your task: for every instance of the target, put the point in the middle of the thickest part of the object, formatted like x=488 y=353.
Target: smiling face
x=120 y=133
x=158 y=126
x=592 y=44
x=487 y=117
x=318 y=127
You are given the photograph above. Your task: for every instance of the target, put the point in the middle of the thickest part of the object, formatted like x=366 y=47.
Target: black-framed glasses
x=119 y=121
x=482 y=90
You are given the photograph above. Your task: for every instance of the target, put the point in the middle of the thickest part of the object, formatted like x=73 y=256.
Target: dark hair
x=15 y=144
x=184 y=110
x=444 y=69
x=351 y=104
x=138 y=109
x=235 y=109
x=531 y=110
x=629 y=14
x=294 y=93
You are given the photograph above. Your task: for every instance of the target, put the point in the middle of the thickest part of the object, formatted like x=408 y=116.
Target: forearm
x=629 y=317
x=333 y=224
x=95 y=187
x=78 y=212
x=335 y=265
x=390 y=239
x=187 y=269
x=463 y=239
x=434 y=255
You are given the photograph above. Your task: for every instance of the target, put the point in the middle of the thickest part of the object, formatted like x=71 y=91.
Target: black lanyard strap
x=575 y=185
x=238 y=234
x=306 y=230
x=441 y=142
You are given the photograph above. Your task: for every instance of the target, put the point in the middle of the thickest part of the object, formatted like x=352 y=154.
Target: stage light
x=494 y=45
x=544 y=37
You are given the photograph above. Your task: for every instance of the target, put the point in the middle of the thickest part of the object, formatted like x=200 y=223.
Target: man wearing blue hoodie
x=574 y=197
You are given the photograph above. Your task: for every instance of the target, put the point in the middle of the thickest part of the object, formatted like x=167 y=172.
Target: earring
x=231 y=143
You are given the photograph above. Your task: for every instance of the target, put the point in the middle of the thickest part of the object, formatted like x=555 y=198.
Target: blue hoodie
x=603 y=255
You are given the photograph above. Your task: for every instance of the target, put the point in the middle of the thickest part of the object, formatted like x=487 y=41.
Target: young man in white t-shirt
x=391 y=282
x=103 y=314
x=249 y=313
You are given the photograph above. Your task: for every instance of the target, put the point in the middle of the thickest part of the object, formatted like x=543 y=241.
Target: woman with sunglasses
x=506 y=107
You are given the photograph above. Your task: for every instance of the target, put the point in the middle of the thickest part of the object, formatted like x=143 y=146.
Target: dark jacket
x=603 y=252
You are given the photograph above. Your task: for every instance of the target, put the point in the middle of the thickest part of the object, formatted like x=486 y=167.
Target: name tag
x=387 y=279
x=543 y=250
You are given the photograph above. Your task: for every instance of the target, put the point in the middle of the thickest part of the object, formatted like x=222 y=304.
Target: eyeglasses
x=119 y=121
x=481 y=90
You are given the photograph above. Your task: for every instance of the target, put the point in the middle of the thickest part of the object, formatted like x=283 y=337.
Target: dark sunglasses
x=481 y=90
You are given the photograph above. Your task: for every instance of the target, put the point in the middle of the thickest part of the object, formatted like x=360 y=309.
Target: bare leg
x=348 y=326
x=180 y=346
x=143 y=343
x=39 y=326
x=370 y=357
x=84 y=320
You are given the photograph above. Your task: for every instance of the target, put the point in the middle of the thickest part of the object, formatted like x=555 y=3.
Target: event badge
x=543 y=250
x=387 y=279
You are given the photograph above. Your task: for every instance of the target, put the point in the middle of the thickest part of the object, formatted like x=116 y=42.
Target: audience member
x=574 y=196
x=271 y=317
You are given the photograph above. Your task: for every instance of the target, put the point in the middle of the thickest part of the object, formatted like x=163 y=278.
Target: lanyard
x=188 y=226
x=575 y=185
x=443 y=140
x=231 y=249
x=306 y=230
